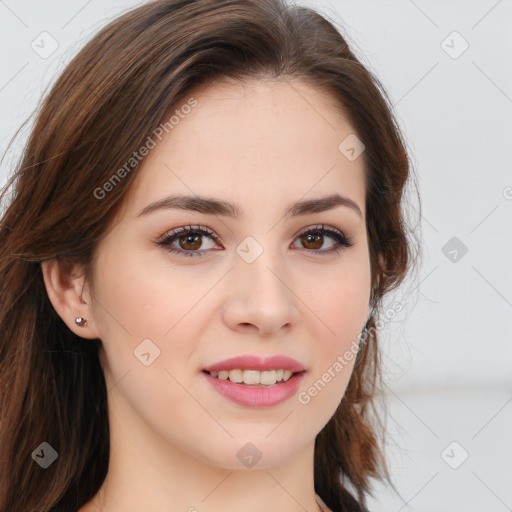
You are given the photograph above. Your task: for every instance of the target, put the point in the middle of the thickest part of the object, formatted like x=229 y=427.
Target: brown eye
x=314 y=238
x=190 y=242
x=187 y=241
x=312 y=241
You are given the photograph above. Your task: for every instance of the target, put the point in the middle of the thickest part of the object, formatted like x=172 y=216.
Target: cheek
x=143 y=309
x=342 y=305
x=150 y=306
x=341 y=300
x=144 y=295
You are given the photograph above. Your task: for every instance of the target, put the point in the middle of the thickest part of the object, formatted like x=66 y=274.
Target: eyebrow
x=210 y=206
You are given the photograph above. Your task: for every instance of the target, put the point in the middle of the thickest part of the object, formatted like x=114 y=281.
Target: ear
x=65 y=287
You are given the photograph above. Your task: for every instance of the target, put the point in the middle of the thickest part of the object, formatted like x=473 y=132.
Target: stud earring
x=81 y=322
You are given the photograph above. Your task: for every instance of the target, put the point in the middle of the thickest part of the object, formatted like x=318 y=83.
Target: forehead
x=266 y=139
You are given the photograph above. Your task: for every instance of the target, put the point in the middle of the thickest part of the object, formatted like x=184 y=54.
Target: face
x=179 y=289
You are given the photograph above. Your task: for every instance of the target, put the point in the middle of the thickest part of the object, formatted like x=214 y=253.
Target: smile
x=254 y=377
x=255 y=395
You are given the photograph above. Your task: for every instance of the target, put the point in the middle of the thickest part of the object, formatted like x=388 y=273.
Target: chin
x=255 y=451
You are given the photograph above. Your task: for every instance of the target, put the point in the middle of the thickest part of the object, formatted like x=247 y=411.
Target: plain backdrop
x=446 y=66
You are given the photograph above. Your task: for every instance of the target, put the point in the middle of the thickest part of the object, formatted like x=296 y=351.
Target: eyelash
x=342 y=240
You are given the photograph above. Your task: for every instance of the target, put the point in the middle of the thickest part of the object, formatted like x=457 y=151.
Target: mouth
x=256 y=381
x=254 y=378
x=256 y=389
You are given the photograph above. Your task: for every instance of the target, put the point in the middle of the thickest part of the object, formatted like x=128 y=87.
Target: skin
x=174 y=440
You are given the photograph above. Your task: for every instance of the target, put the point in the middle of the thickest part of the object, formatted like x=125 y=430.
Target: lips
x=253 y=381
x=256 y=396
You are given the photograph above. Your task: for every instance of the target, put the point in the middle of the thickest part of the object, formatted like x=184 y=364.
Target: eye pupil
x=188 y=239
x=310 y=239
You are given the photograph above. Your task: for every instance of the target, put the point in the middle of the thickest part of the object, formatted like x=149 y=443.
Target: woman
x=203 y=225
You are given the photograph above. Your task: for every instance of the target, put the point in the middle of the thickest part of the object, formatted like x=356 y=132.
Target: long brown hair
x=109 y=99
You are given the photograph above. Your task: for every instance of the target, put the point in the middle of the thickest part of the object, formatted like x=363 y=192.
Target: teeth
x=268 y=377
x=236 y=376
x=251 y=377
x=254 y=377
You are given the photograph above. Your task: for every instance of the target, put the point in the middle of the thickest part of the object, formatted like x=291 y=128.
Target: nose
x=261 y=296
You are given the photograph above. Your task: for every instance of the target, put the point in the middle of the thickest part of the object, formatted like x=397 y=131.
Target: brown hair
x=112 y=95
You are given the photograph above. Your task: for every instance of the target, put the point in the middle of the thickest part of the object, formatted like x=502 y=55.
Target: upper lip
x=250 y=362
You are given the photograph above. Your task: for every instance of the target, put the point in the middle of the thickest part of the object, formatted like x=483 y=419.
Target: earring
x=81 y=322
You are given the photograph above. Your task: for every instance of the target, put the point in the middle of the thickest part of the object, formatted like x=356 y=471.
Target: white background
x=448 y=355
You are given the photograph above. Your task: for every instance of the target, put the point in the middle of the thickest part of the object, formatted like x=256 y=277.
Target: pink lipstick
x=254 y=381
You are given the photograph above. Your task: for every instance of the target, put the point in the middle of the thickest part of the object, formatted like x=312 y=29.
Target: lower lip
x=256 y=396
